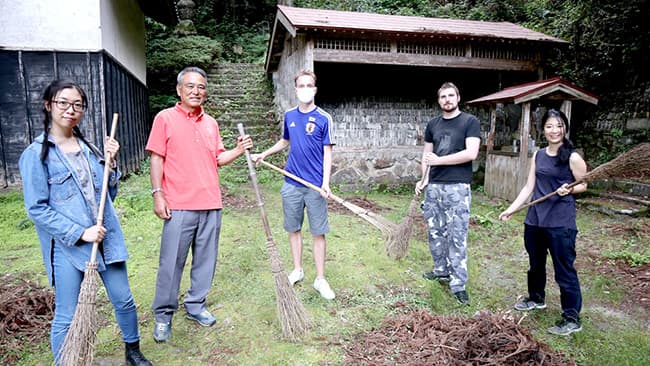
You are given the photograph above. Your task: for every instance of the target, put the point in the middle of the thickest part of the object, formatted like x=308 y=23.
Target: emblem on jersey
x=292 y=124
x=310 y=127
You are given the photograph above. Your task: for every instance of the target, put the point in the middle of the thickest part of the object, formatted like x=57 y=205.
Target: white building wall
x=66 y=25
x=123 y=34
x=116 y=26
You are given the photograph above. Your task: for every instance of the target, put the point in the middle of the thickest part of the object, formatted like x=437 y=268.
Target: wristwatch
x=156 y=190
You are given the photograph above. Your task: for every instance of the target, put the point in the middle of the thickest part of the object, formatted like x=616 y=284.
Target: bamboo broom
x=79 y=344
x=293 y=316
x=398 y=245
x=635 y=160
x=387 y=227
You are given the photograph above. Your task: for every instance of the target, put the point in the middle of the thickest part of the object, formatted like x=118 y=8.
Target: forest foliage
x=607 y=53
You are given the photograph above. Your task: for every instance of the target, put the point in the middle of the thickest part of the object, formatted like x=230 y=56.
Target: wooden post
x=524 y=130
x=566 y=108
x=493 y=122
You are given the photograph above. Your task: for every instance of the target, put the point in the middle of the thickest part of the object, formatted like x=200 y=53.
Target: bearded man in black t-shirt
x=451 y=142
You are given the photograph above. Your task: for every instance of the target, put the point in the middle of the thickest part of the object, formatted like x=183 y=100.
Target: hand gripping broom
x=293 y=316
x=635 y=161
x=79 y=344
x=398 y=245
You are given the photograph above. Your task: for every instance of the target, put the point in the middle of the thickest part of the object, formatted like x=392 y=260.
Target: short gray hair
x=195 y=69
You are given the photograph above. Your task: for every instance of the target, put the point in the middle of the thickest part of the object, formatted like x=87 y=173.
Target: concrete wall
x=116 y=26
x=379 y=143
x=296 y=55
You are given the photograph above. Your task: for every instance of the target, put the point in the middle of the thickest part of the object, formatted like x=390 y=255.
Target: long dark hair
x=48 y=95
x=565 y=150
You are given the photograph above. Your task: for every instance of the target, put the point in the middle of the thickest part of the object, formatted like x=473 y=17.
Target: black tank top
x=556 y=211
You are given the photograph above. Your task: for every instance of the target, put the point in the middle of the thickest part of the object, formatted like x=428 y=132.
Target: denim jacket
x=54 y=202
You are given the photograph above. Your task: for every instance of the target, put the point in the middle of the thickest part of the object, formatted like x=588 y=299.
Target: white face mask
x=306 y=95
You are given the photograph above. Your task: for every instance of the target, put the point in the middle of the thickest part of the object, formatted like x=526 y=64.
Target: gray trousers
x=195 y=230
x=446 y=211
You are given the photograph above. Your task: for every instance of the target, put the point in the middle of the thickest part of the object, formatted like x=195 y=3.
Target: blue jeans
x=561 y=244
x=67 y=284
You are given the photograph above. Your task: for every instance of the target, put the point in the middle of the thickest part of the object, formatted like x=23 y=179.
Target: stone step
x=258 y=105
x=241 y=93
x=224 y=90
x=249 y=75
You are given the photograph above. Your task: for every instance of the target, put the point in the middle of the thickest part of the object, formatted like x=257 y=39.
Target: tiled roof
x=304 y=18
x=524 y=92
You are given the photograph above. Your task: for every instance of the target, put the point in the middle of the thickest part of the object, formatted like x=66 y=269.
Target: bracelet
x=156 y=190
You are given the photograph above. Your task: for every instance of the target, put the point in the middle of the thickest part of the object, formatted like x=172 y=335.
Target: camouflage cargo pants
x=446 y=211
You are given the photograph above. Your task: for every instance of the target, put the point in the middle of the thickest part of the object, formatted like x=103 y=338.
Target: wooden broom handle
x=253 y=175
x=102 y=201
x=544 y=198
x=302 y=181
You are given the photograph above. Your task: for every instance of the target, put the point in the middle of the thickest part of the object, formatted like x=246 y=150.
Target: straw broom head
x=635 y=161
x=79 y=344
x=397 y=245
x=293 y=317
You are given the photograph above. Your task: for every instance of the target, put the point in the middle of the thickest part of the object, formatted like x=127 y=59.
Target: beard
x=449 y=107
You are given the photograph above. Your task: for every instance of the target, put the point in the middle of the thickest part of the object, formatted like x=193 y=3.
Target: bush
x=167 y=55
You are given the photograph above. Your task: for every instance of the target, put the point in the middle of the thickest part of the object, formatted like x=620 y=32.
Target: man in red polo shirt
x=186 y=153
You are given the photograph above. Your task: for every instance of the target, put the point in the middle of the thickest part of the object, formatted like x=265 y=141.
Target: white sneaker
x=321 y=285
x=296 y=276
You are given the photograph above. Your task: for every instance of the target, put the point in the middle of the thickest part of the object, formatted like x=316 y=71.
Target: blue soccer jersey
x=307 y=133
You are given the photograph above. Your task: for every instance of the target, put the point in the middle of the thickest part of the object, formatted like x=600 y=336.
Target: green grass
x=367 y=283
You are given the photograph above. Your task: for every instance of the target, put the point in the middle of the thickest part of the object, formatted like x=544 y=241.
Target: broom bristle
x=386 y=226
x=635 y=161
x=79 y=344
x=398 y=244
x=293 y=317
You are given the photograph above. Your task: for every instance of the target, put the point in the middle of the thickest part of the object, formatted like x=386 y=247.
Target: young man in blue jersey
x=307 y=133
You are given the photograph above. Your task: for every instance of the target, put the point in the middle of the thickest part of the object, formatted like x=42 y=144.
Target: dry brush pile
x=421 y=338
x=25 y=314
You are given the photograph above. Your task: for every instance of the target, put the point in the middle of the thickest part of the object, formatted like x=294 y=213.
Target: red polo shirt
x=190 y=144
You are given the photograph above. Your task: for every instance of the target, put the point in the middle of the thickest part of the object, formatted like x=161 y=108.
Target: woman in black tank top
x=550 y=226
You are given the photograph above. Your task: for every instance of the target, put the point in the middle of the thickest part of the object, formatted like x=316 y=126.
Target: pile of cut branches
x=420 y=338
x=25 y=314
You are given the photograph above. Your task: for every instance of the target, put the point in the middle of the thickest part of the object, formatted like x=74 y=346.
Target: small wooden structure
x=506 y=166
x=378 y=75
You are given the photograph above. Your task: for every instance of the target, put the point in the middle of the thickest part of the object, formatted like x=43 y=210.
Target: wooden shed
x=100 y=45
x=509 y=150
x=378 y=76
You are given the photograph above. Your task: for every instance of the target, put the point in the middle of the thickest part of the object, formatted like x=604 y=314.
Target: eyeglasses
x=190 y=87
x=64 y=105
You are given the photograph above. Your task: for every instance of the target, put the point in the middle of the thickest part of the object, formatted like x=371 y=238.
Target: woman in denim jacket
x=62 y=178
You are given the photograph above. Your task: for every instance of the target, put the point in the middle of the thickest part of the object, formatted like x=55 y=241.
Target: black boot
x=133 y=355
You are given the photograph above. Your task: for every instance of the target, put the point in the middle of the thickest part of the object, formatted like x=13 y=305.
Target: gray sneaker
x=162 y=332
x=204 y=318
x=528 y=304
x=565 y=327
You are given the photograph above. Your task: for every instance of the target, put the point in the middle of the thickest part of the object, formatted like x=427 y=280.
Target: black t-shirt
x=448 y=137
